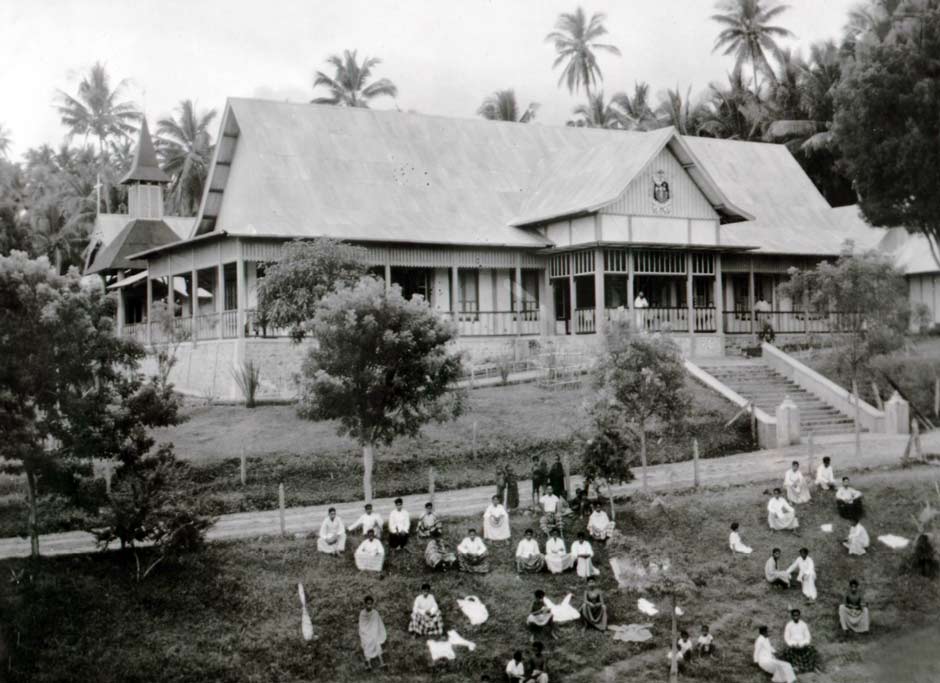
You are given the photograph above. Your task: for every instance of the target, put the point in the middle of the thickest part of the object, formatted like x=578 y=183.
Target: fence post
x=108 y=473
x=474 y=443
x=811 y=453
x=878 y=401
x=936 y=397
x=243 y=468
x=431 y=484
x=280 y=501
x=915 y=440
x=695 y=462
x=858 y=432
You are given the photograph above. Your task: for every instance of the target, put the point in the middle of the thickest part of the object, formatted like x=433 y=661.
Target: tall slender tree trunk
x=107 y=193
x=33 y=523
x=368 y=459
x=674 y=666
x=643 y=455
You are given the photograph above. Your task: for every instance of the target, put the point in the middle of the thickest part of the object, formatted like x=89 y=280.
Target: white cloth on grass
x=894 y=542
x=444 y=649
x=473 y=609
x=734 y=542
x=563 y=612
x=825 y=528
x=646 y=607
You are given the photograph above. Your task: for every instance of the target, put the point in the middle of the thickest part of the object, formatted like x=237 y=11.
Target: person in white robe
x=795 y=485
x=515 y=668
x=583 y=555
x=858 y=540
x=805 y=570
x=640 y=304
x=370 y=555
x=557 y=558
x=825 y=478
x=529 y=558
x=781 y=671
x=684 y=647
x=472 y=555
x=368 y=520
x=496 y=521
x=849 y=501
x=332 y=537
x=780 y=514
x=773 y=573
x=399 y=526
x=735 y=542
x=599 y=525
x=800 y=651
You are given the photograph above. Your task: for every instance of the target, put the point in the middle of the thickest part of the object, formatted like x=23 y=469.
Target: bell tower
x=145 y=180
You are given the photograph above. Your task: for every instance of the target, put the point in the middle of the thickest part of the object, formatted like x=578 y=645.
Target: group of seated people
x=703 y=646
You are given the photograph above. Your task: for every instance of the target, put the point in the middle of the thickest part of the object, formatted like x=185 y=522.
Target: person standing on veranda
x=640 y=304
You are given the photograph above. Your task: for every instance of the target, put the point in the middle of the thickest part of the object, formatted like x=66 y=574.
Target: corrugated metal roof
x=138 y=235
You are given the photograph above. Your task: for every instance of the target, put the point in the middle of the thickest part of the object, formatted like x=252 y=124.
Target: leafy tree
x=679 y=112
x=185 y=148
x=641 y=379
x=349 y=86
x=381 y=367
x=598 y=114
x=575 y=40
x=14 y=233
x=732 y=112
x=5 y=141
x=748 y=35
x=868 y=294
x=291 y=288
x=502 y=106
x=637 y=111
x=97 y=111
x=607 y=452
x=886 y=125
x=69 y=390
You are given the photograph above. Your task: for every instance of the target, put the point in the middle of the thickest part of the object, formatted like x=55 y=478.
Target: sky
x=445 y=56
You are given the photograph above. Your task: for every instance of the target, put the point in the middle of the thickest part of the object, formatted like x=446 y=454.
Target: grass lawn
x=230 y=613
x=317 y=466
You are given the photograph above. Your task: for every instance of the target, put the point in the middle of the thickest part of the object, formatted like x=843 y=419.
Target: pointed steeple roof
x=145 y=168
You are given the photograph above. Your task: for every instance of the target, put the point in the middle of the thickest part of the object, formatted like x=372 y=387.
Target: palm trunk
x=368 y=458
x=643 y=455
x=107 y=193
x=32 y=494
x=674 y=666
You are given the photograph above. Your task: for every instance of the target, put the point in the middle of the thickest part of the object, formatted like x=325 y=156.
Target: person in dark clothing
x=556 y=478
x=512 y=488
x=539 y=478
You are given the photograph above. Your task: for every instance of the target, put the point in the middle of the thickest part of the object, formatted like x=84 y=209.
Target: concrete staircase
x=766 y=389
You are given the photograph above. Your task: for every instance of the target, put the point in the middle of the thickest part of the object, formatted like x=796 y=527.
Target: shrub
x=766 y=332
x=248 y=379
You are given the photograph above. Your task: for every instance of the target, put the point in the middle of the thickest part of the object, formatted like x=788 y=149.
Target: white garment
x=646 y=607
x=332 y=537
x=557 y=558
x=795 y=485
x=471 y=546
x=771 y=573
x=582 y=552
x=764 y=658
x=515 y=670
x=682 y=646
x=825 y=477
x=549 y=502
x=847 y=494
x=563 y=612
x=369 y=521
x=370 y=555
x=599 y=525
x=399 y=522
x=734 y=542
x=473 y=609
x=527 y=548
x=425 y=604
x=806 y=575
x=858 y=540
x=640 y=304
x=306 y=624
x=444 y=649
x=894 y=542
x=796 y=634
x=781 y=515
x=496 y=523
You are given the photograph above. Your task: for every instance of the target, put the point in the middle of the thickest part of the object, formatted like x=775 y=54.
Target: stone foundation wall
x=735 y=344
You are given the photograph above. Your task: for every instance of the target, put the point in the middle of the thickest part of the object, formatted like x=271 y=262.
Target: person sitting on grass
x=399 y=526
x=515 y=668
x=772 y=572
x=825 y=479
x=471 y=554
x=735 y=543
x=799 y=651
x=368 y=520
x=332 y=537
x=858 y=540
x=705 y=644
x=551 y=512
x=540 y=621
x=529 y=559
x=372 y=633
x=557 y=558
x=496 y=522
x=853 y=613
x=780 y=514
x=805 y=570
x=538 y=668
x=764 y=658
x=599 y=525
x=428 y=523
x=795 y=484
x=594 y=609
x=425 y=614
x=849 y=502
x=370 y=555
x=582 y=553
x=683 y=648
x=437 y=556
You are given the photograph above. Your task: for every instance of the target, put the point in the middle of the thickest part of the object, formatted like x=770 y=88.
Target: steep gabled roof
x=137 y=236
x=144 y=167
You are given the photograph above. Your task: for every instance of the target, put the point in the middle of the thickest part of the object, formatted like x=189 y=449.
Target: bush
x=248 y=379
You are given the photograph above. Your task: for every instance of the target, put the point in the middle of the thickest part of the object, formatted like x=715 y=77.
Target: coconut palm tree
x=575 y=39
x=637 y=109
x=97 y=111
x=733 y=112
x=5 y=141
x=598 y=114
x=185 y=149
x=680 y=112
x=349 y=86
x=748 y=35
x=502 y=106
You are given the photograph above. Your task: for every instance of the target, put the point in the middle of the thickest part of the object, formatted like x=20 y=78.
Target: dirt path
x=878 y=450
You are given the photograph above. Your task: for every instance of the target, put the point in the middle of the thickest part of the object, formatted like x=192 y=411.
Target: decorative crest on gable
x=662 y=196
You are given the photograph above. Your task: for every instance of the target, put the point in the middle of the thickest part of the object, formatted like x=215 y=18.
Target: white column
x=241 y=298
x=149 y=308
x=750 y=292
x=219 y=294
x=689 y=290
x=719 y=299
x=454 y=290
x=194 y=300
x=518 y=298
x=572 y=294
x=547 y=302
x=600 y=319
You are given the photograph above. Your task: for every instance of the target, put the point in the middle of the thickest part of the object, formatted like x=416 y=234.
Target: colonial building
x=521 y=234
